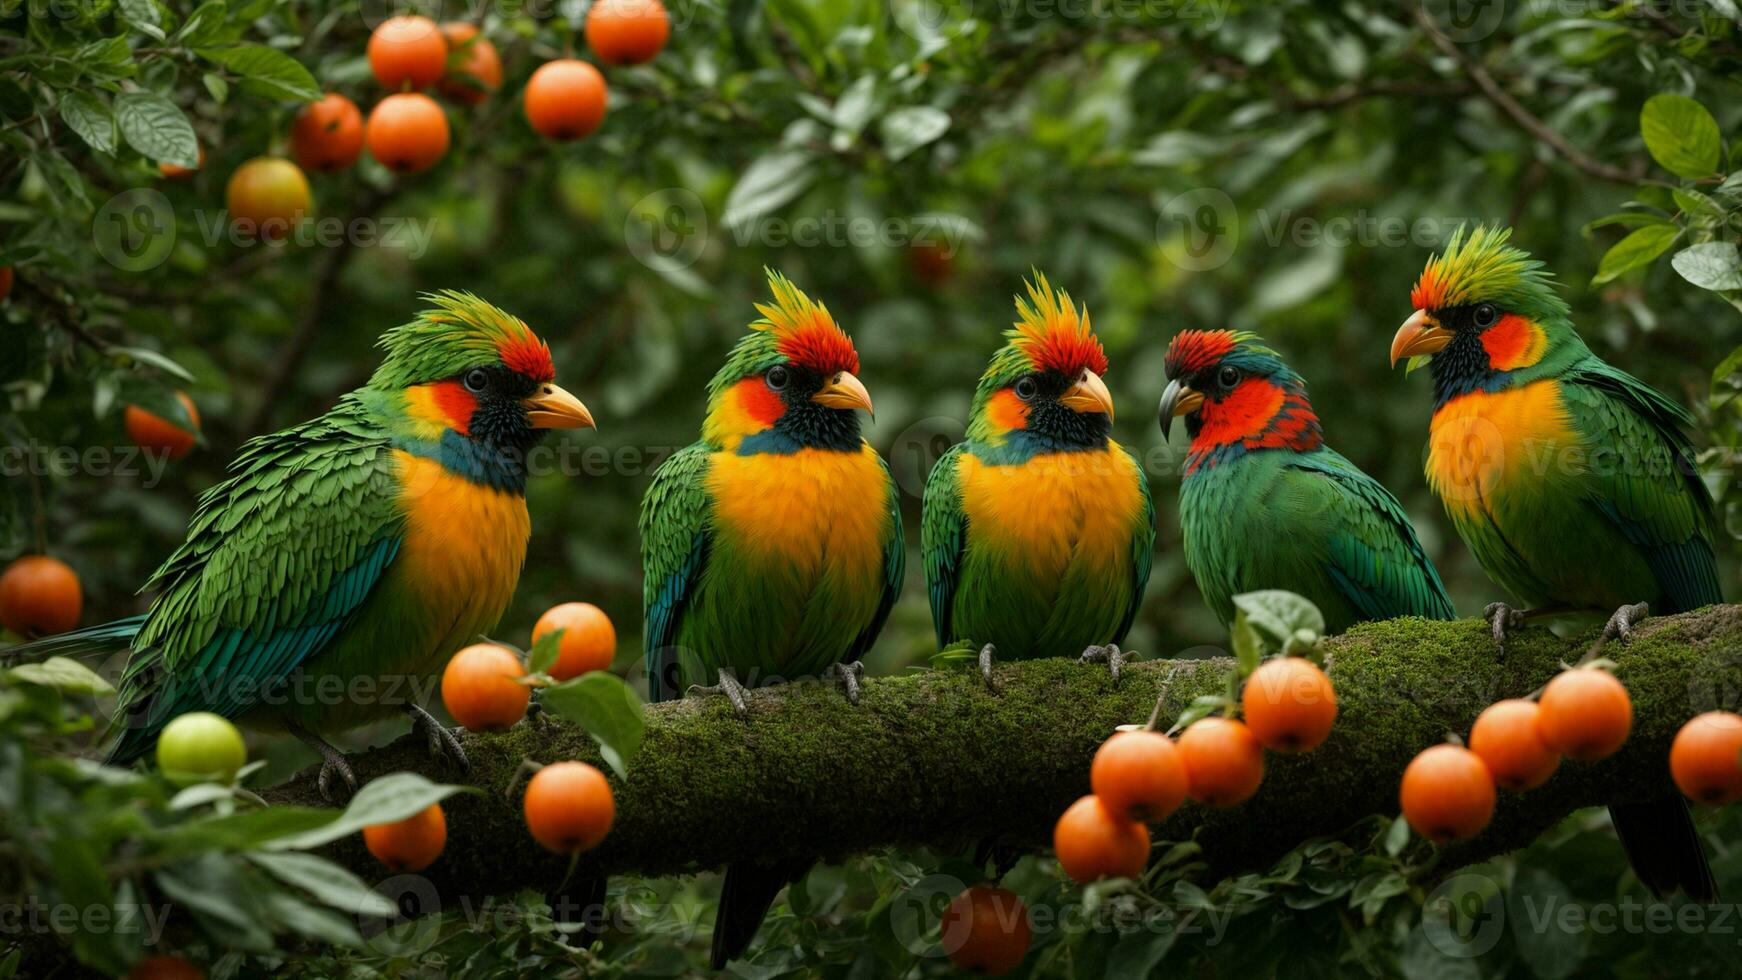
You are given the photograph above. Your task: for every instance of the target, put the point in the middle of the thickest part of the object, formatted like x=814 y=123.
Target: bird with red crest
x=1038 y=528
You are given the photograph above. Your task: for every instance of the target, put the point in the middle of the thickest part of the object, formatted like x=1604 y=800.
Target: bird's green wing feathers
x=675 y=539
x=1376 y=561
x=1142 y=553
x=943 y=529
x=894 y=571
x=276 y=560
x=1650 y=488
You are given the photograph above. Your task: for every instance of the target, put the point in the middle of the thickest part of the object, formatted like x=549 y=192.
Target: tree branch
x=931 y=758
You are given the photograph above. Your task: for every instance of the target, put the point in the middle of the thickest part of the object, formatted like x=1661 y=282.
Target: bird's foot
x=1502 y=617
x=536 y=714
x=1620 y=625
x=849 y=675
x=443 y=743
x=333 y=766
x=987 y=653
x=729 y=686
x=1110 y=653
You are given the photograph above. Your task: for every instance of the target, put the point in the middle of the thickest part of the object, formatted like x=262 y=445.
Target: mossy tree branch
x=933 y=758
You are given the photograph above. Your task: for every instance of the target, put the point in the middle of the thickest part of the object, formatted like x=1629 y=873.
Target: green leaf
x=64 y=675
x=607 y=708
x=1249 y=648
x=266 y=72
x=1139 y=952
x=544 y=651
x=1641 y=247
x=328 y=883
x=213 y=888
x=216 y=85
x=203 y=24
x=151 y=358
x=311 y=921
x=907 y=129
x=244 y=831
x=1681 y=135
x=86 y=115
x=771 y=181
x=1279 y=613
x=389 y=799
x=143 y=16
x=1535 y=897
x=157 y=128
x=1712 y=265
x=1397 y=837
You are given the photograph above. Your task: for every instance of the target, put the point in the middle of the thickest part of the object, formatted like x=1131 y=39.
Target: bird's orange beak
x=844 y=391
x=554 y=408
x=1420 y=335
x=1089 y=394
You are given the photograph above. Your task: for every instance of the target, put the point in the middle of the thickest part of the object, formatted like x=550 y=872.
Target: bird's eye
x=1486 y=315
x=777 y=377
x=477 y=380
x=1026 y=389
x=1228 y=377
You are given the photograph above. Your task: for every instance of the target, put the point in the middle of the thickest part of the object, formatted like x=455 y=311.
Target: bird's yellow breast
x=463 y=546
x=1481 y=442
x=811 y=510
x=1054 y=505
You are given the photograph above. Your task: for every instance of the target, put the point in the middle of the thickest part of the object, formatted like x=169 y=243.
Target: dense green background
x=1334 y=147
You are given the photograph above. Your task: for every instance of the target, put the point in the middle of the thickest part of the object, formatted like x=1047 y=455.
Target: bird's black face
x=500 y=416
x=812 y=417
x=1067 y=412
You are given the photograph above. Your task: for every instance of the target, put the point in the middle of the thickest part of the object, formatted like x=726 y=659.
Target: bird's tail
x=1664 y=848
x=744 y=900
x=88 y=642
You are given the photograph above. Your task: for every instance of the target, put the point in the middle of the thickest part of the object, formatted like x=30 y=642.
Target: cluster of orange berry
x=1143 y=776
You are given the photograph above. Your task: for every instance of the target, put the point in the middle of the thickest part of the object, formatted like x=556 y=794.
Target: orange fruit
x=156 y=434
x=1507 y=737
x=1289 y=705
x=5 y=282
x=569 y=807
x=1447 y=793
x=39 y=596
x=327 y=135
x=476 y=68
x=1706 y=758
x=589 y=641
x=165 y=968
x=986 y=931
x=1224 y=763
x=1093 y=842
x=408 y=50
x=1585 y=714
x=627 y=32
x=267 y=196
x=174 y=172
x=482 y=690
x=411 y=844
x=408 y=133
x=1139 y=775
x=565 y=99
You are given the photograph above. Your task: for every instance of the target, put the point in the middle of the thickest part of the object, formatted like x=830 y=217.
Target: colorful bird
x=1265 y=504
x=353 y=552
x=772 y=548
x=1570 y=480
x=1038 y=529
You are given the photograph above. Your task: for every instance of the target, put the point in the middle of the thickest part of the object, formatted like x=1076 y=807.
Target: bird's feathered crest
x=804 y=332
x=1481 y=267
x=1195 y=350
x=1050 y=334
x=459 y=331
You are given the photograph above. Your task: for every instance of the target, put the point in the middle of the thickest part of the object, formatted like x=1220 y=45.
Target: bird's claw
x=1620 y=625
x=849 y=674
x=1110 y=653
x=987 y=652
x=1502 y=617
x=729 y=686
x=331 y=765
x=443 y=744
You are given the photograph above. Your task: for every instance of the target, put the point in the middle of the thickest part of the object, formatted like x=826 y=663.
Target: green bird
x=772 y=548
x=1038 y=529
x=1265 y=504
x=325 y=583
x=1570 y=480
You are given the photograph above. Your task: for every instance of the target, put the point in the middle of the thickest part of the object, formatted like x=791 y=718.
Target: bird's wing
x=894 y=570
x=1376 y=561
x=1650 y=488
x=1142 y=553
x=675 y=538
x=276 y=560
x=943 y=532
